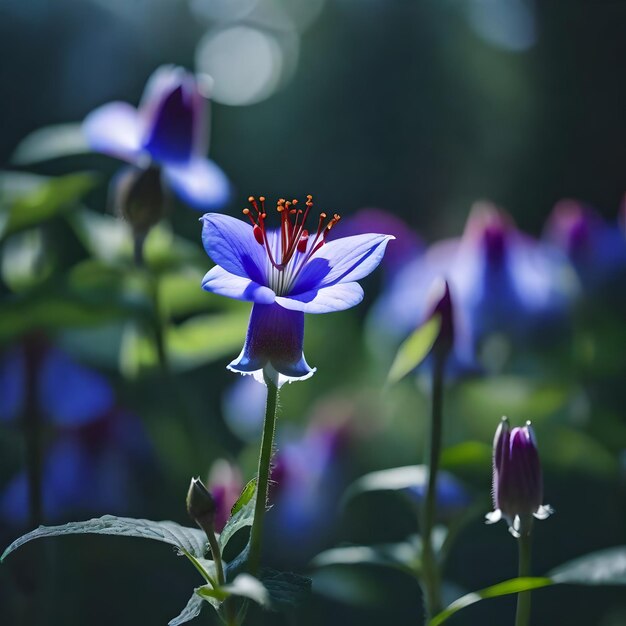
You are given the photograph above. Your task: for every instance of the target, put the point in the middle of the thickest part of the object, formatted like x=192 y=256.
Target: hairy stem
x=263 y=475
x=431 y=576
x=522 y=615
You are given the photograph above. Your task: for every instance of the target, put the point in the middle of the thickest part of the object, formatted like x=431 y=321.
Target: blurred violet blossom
x=225 y=484
x=517 y=481
x=596 y=248
x=95 y=448
x=307 y=480
x=285 y=273
x=168 y=130
x=500 y=280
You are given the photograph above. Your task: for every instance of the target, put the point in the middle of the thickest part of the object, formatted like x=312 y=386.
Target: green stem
x=431 y=576
x=216 y=554
x=522 y=615
x=263 y=475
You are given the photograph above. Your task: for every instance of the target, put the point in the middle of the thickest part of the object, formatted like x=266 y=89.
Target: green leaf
x=393 y=479
x=286 y=590
x=404 y=556
x=515 y=585
x=244 y=585
x=605 y=567
x=241 y=515
x=414 y=349
x=51 y=142
x=109 y=239
x=191 y=540
x=49 y=198
x=191 y=610
x=53 y=309
x=248 y=586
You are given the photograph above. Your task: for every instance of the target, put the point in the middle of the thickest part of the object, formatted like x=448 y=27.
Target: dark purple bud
x=442 y=306
x=500 y=446
x=517 y=478
x=201 y=505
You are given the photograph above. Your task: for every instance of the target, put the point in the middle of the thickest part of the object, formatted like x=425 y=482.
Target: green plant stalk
x=263 y=475
x=522 y=615
x=431 y=575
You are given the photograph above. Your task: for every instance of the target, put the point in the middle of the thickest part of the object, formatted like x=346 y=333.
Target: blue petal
x=12 y=382
x=343 y=260
x=71 y=394
x=231 y=244
x=114 y=129
x=199 y=182
x=169 y=135
x=218 y=280
x=275 y=336
x=165 y=114
x=67 y=473
x=326 y=300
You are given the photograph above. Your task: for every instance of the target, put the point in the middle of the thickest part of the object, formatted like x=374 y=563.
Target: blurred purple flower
x=517 y=481
x=170 y=130
x=596 y=248
x=225 y=484
x=500 y=280
x=307 y=480
x=451 y=495
x=88 y=470
x=95 y=446
x=285 y=273
x=68 y=394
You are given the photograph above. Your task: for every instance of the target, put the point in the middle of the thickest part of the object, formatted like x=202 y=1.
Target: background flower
x=169 y=130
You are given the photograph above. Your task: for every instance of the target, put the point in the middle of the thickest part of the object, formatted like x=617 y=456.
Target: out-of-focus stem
x=431 y=576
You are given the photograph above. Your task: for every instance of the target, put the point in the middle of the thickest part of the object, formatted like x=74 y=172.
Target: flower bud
x=139 y=198
x=441 y=304
x=201 y=505
x=517 y=480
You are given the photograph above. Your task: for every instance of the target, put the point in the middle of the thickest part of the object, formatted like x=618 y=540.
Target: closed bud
x=201 y=505
x=139 y=198
x=441 y=305
x=517 y=479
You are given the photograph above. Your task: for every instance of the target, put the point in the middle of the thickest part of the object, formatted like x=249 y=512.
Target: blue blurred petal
x=198 y=182
x=12 y=384
x=243 y=406
x=115 y=129
x=170 y=134
x=70 y=394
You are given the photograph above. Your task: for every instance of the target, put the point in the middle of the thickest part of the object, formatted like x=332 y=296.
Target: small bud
x=517 y=480
x=139 y=198
x=200 y=504
x=441 y=304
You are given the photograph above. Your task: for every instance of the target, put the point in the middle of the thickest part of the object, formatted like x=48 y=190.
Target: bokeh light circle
x=245 y=63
